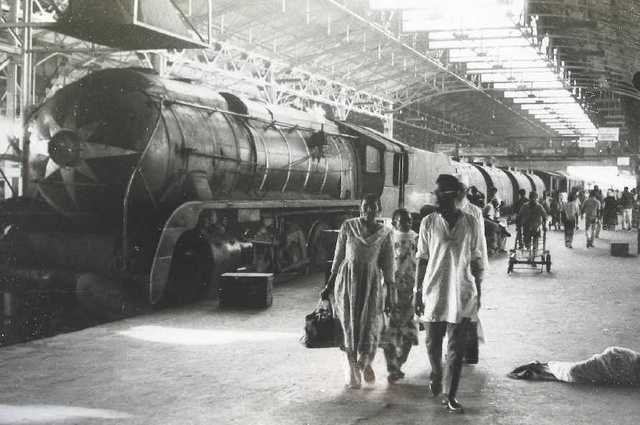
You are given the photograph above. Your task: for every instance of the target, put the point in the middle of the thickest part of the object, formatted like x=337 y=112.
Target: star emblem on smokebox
x=68 y=152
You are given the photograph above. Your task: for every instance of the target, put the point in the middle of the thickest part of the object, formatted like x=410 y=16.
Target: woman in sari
x=364 y=254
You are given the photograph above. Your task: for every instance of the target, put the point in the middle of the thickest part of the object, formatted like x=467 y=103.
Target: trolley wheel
x=510 y=268
x=548 y=262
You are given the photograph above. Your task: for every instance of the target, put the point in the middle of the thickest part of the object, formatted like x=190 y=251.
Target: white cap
x=463 y=179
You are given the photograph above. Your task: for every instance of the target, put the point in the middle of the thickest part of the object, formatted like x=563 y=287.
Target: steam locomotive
x=122 y=163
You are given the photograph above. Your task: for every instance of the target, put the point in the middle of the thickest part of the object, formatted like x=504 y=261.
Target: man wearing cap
x=448 y=285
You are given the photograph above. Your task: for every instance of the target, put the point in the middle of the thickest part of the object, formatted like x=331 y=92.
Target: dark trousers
x=457 y=334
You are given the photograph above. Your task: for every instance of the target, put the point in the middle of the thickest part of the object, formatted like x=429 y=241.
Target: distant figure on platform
x=591 y=211
x=635 y=217
x=570 y=212
x=491 y=234
x=475 y=197
x=614 y=366
x=626 y=206
x=401 y=332
x=575 y=191
x=599 y=195
x=363 y=257
x=192 y=264
x=555 y=207
x=495 y=201
x=497 y=233
x=610 y=212
x=448 y=286
x=489 y=212
x=517 y=205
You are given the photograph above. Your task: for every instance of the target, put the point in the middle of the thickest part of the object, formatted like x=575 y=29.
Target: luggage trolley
x=534 y=256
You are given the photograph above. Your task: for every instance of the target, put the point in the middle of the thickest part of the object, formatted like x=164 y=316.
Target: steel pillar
x=27 y=83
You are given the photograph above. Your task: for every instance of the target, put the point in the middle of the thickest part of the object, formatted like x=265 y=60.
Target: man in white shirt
x=448 y=285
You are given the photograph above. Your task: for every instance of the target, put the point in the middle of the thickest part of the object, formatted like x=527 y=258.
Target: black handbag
x=322 y=329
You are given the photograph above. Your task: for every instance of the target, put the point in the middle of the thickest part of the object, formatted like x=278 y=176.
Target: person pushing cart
x=532 y=220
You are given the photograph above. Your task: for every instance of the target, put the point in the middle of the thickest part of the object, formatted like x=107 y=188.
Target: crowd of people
x=386 y=282
x=616 y=210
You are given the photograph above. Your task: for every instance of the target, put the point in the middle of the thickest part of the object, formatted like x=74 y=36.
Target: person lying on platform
x=615 y=365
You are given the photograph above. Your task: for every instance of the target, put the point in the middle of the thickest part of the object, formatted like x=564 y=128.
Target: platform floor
x=202 y=365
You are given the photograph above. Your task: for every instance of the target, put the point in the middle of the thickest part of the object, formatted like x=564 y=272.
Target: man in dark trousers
x=626 y=206
x=448 y=285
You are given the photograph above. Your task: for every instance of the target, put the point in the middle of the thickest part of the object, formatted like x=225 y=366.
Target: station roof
x=376 y=58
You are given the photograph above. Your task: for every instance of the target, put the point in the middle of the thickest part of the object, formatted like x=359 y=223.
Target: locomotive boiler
x=122 y=164
x=126 y=161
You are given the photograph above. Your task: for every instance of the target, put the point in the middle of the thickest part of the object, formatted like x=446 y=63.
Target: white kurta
x=449 y=292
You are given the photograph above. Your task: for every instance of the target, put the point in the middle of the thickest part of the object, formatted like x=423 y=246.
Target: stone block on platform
x=252 y=290
x=620 y=249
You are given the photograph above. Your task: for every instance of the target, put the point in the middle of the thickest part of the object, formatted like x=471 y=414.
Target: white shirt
x=449 y=292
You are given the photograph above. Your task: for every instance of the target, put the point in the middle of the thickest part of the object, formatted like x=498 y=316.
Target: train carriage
x=536 y=183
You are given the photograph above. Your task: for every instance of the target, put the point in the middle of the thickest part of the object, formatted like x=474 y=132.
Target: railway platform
x=200 y=364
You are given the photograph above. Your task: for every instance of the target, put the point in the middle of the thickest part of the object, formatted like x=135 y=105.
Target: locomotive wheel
x=318 y=254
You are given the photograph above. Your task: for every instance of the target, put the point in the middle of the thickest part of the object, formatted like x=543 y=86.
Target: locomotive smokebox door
x=252 y=290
